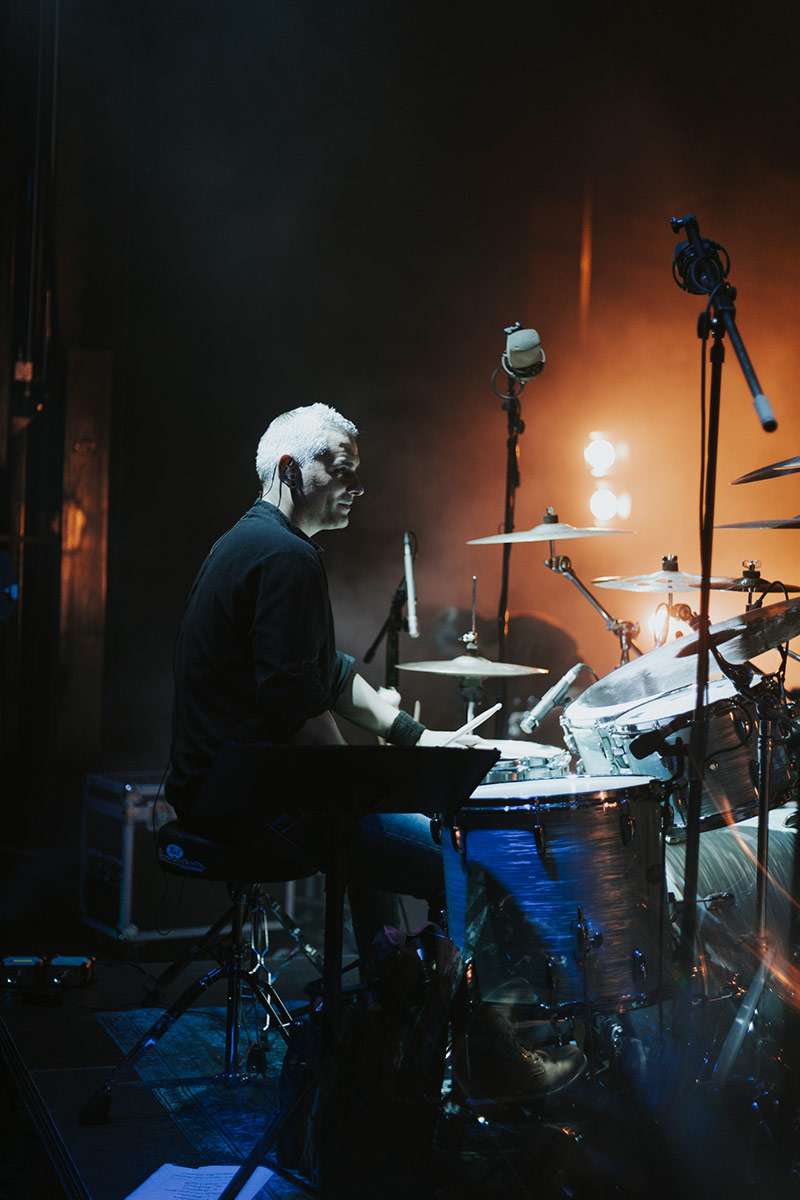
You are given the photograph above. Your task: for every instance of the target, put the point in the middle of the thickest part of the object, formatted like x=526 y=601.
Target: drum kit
x=564 y=870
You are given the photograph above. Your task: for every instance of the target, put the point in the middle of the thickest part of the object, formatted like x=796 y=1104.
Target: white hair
x=303 y=433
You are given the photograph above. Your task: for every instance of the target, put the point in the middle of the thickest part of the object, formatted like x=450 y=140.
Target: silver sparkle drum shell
x=555 y=892
x=730 y=788
x=727 y=952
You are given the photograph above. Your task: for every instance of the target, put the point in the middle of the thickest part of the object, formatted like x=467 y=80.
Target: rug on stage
x=222 y=1123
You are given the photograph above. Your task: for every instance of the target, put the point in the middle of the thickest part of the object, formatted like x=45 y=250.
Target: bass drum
x=556 y=896
x=652 y=738
x=727 y=951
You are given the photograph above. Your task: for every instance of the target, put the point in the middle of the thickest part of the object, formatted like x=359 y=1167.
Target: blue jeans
x=386 y=856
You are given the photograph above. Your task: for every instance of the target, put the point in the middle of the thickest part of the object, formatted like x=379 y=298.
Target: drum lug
x=459 y=841
x=627 y=826
x=436 y=830
x=585 y=940
x=540 y=838
x=717 y=900
x=638 y=965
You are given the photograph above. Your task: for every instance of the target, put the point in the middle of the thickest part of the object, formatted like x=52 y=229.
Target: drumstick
x=474 y=723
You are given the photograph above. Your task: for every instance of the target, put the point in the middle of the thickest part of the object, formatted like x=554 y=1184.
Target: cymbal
x=752 y=583
x=471 y=666
x=549 y=531
x=674 y=665
x=658 y=581
x=774 y=471
x=777 y=523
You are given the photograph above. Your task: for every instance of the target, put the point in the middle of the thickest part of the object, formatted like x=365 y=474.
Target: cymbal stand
x=471 y=689
x=626 y=631
x=675 y=612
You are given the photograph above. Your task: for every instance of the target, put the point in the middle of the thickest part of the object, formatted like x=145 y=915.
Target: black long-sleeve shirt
x=256 y=654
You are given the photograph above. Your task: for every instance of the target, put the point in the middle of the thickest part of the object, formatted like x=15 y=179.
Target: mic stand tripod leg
x=762 y=847
x=736 y=1035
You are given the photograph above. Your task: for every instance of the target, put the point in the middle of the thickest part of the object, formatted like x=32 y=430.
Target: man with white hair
x=256 y=661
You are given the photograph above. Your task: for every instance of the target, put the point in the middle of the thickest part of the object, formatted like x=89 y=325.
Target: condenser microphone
x=524 y=357
x=553 y=696
x=411 y=591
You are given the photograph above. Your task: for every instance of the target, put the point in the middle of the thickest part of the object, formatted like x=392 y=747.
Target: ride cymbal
x=658 y=581
x=668 y=579
x=471 y=666
x=776 y=523
x=548 y=531
x=774 y=471
x=750 y=583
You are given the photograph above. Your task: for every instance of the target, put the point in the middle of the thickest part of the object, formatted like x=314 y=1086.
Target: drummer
x=256 y=661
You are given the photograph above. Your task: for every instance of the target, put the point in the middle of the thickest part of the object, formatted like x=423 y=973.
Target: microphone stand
x=698 y=269
x=515 y=427
x=394 y=623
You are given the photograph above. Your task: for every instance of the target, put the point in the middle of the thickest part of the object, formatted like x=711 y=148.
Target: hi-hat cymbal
x=675 y=664
x=776 y=523
x=471 y=666
x=774 y=471
x=658 y=581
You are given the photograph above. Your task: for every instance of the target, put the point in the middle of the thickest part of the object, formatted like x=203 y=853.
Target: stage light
x=604 y=504
x=604 y=457
x=668 y=623
x=600 y=454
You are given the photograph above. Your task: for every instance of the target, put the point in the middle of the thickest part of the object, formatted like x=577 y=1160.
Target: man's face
x=327 y=488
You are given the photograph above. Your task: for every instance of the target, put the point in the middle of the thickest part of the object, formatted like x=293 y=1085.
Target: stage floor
x=639 y=1125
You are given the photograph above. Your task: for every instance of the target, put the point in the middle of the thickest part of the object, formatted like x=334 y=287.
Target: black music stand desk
x=341 y=784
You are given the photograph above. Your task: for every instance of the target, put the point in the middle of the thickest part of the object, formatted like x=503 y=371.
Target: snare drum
x=556 y=895
x=520 y=761
x=730 y=789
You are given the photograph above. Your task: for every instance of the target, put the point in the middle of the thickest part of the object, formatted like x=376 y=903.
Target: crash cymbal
x=471 y=666
x=754 y=632
x=774 y=471
x=675 y=664
x=777 y=523
x=550 y=530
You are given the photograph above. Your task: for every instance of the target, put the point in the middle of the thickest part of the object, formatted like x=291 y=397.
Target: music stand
x=340 y=783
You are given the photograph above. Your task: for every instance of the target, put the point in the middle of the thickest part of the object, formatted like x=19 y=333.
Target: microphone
x=524 y=357
x=553 y=696
x=656 y=740
x=411 y=591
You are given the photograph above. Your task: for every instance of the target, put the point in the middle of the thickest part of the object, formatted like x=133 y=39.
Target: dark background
x=232 y=209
